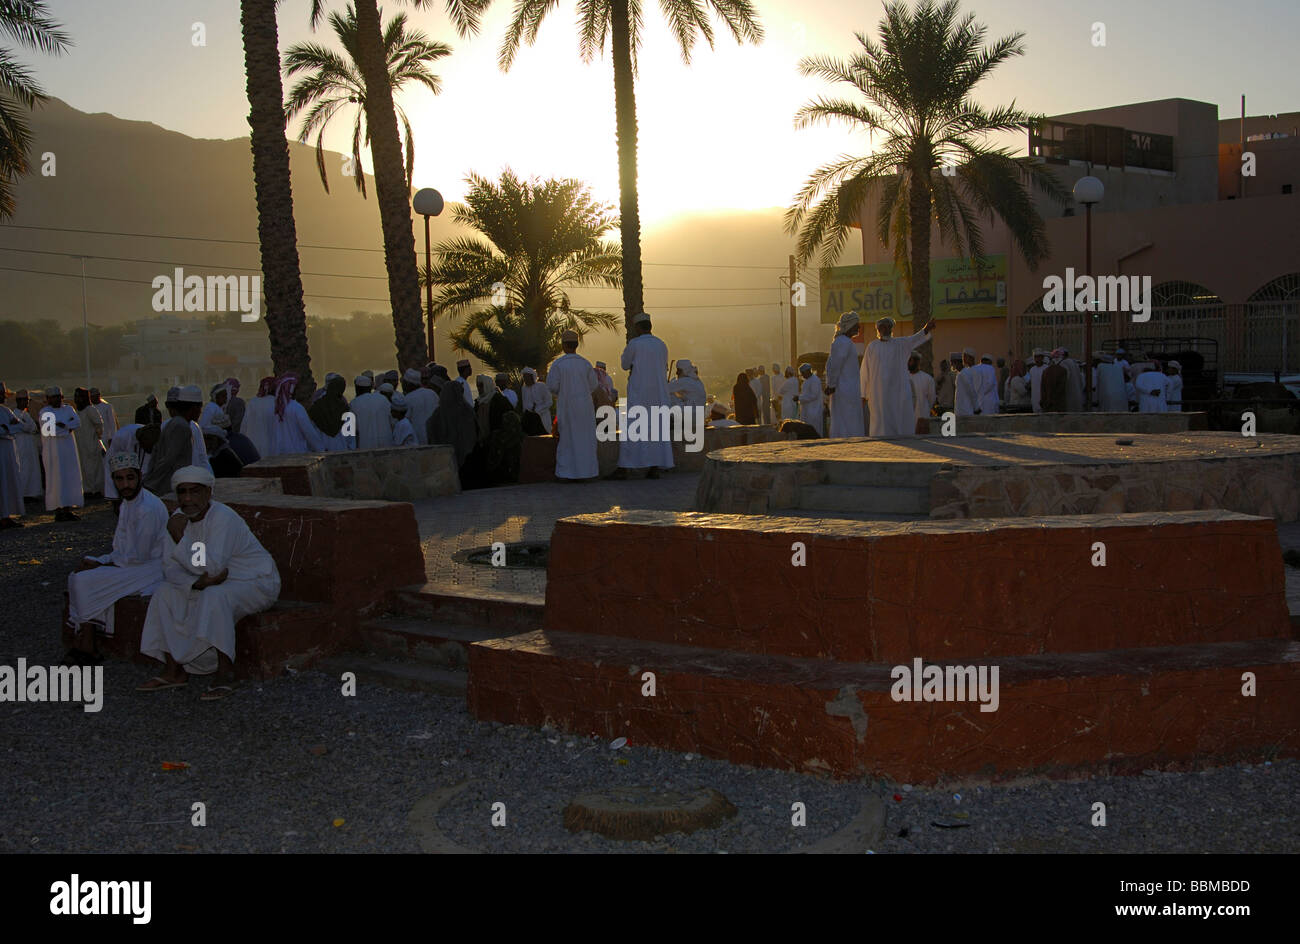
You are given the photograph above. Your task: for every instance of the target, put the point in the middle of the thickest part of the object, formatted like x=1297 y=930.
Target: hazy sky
x=713 y=135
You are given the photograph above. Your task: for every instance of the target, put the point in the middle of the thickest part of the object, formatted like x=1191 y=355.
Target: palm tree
x=331 y=81
x=28 y=22
x=540 y=238
x=277 y=234
x=917 y=82
x=621 y=21
x=392 y=187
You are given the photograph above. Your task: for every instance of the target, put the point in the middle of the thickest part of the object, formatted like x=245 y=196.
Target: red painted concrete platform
x=1101 y=670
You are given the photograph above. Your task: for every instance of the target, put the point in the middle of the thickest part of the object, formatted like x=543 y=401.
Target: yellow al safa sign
x=958 y=289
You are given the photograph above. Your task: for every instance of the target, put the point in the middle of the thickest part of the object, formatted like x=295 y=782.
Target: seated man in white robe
x=214 y=574
x=133 y=566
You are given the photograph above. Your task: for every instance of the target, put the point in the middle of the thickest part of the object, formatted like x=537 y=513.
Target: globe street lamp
x=1088 y=190
x=428 y=202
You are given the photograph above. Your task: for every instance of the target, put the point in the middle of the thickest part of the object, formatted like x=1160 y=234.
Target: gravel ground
x=280 y=763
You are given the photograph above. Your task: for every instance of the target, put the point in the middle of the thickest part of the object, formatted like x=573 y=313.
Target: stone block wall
x=395 y=474
x=1078 y=423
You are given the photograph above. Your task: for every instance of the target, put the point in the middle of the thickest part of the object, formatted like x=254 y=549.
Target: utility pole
x=794 y=321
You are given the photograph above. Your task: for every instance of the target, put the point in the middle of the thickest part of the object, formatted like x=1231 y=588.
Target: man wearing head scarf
x=811 y=410
x=572 y=380
x=420 y=403
x=844 y=381
x=327 y=413
x=923 y=395
x=969 y=380
x=106 y=414
x=136 y=441
x=1017 y=386
x=1149 y=382
x=11 y=492
x=718 y=417
x=1036 y=379
x=374 y=416
x=216 y=406
x=134 y=565
x=646 y=360
x=687 y=389
x=191 y=619
x=235 y=405
x=89 y=437
x=147 y=413
x=606 y=393
x=536 y=403
x=294 y=431
x=1055 y=384
x=885 y=383
x=28 y=445
x=453 y=424
x=788 y=391
x=57 y=421
x=1174 y=387
x=259 y=414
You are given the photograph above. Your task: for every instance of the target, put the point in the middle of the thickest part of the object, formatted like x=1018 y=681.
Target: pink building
x=1222 y=251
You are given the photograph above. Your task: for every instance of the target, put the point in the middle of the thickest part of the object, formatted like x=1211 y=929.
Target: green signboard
x=958 y=289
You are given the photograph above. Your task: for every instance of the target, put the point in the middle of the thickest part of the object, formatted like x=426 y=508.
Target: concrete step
x=880 y=474
x=856 y=499
x=496 y=611
x=409 y=676
x=425 y=641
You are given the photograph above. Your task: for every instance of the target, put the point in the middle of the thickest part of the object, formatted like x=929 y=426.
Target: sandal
x=216 y=692
x=163 y=684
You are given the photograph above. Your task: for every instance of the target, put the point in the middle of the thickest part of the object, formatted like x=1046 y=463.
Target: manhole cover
x=535 y=554
x=644 y=813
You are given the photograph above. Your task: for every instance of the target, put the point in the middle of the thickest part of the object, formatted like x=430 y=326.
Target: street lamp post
x=428 y=202
x=1088 y=190
x=85 y=320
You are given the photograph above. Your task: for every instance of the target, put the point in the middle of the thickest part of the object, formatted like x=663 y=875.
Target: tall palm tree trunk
x=919 y=223
x=625 y=118
x=277 y=235
x=392 y=190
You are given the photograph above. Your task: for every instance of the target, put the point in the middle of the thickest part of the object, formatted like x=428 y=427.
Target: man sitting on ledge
x=214 y=574
x=133 y=566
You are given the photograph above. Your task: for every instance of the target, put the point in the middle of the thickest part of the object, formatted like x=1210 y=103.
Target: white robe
x=1110 y=389
x=572 y=380
x=186 y=623
x=404 y=433
x=1174 y=393
x=211 y=414
x=59 y=453
x=28 y=444
x=923 y=395
x=110 y=419
x=1150 y=387
x=537 y=398
x=967 y=401
x=295 y=433
x=1017 y=391
x=788 y=391
x=846 y=402
x=90 y=449
x=124 y=441
x=646 y=360
x=374 y=420
x=886 y=385
x=988 y=388
x=1036 y=386
x=11 y=491
x=810 y=404
x=258 y=416
x=686 y=391
x=136 y=561
x=199 y=449
x=421 y=403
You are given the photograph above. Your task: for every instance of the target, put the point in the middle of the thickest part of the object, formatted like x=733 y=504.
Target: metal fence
x=1254 y=337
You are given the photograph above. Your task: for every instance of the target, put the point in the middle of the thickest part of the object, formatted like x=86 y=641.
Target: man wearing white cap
x=967 y=400
x=133 y=566
x=403 y=432
x=810 y=399
x=989 y=403
x=214 y=573
x=788 y=391
x=28 y=444
x=843 y=380
x=1173 y=387
x=923 y=392
x=374 y=416
x=106 y=414
x=536 y=402
x=572 y=380
x=175 y=449
x=420 y=404
x=646 y=360
x=687 y=389
x=1149 y=382
x=216 y=406
x=137 y=440
x=11 y=491
x=886 y=383
x=1036 y=379
x=59 y=453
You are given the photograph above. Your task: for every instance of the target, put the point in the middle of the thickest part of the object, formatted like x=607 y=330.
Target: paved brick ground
x=1020 y=449
x=527 y=513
